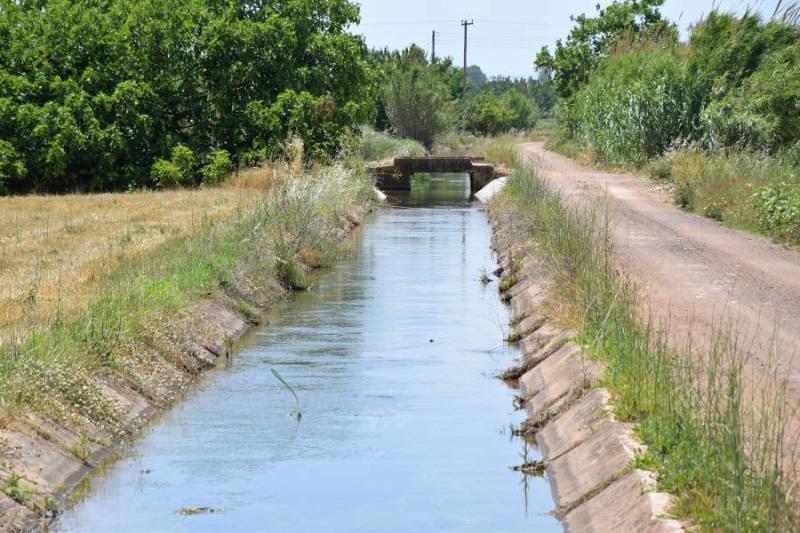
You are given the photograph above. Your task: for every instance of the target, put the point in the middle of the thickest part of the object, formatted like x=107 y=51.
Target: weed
x=297 y=414
x=82 y=449
x=715 y=446
x=15 y=489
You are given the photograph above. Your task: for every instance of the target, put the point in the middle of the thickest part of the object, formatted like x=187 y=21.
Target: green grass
x=716 y=447
x=496 y=149
x=377 y=146
x=743 y=189
x=137 y=330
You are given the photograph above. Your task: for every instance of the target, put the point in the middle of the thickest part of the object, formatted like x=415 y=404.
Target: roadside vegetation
x=714 y=428
x=716 y=116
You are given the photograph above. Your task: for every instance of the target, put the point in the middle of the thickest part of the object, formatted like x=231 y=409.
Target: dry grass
x=52 y=248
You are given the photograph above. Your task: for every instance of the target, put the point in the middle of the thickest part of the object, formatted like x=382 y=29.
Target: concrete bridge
x=397 y=176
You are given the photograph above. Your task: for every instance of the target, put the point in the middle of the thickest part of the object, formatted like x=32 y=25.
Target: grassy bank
x=742 y=189
x=135 y=318
x=714 y=437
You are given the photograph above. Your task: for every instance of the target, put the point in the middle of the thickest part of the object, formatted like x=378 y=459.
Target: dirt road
x=694 y=271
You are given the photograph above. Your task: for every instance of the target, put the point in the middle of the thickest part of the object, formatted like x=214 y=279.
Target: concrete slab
x=628 y=504
x=531 y=360
x=557 y=379
x=575 y=425
x=40 y=462
x=528 y=300
x=538 y=339
x=13 y=516
x=491 y=189
x=584 y=469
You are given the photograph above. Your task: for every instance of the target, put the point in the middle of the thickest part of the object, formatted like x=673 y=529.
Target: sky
x=507 y=34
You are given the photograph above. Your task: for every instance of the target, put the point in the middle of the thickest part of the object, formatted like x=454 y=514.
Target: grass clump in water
x=716 y=443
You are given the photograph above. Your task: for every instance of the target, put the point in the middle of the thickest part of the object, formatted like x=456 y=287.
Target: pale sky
x=507 y=34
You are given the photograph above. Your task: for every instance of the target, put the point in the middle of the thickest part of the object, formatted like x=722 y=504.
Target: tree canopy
x=94 y=92
x=592 y=38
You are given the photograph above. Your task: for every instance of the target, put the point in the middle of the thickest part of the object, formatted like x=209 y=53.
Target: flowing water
x=403 y=426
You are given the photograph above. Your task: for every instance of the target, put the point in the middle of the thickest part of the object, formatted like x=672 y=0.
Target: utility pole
x=433 y=47
x=466 y=24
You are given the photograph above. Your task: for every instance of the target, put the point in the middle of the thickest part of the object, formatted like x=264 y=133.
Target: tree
x=417 y=97
x=593 y=37
x=93 y=93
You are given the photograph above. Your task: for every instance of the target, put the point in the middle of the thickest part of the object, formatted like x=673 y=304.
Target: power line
x=452 y=21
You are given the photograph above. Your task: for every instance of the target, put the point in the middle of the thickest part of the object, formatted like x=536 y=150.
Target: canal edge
x=588 y=455
x=48 y=450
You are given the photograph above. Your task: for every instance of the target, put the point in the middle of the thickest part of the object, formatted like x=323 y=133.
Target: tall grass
x=377 y=146
x=715 y=438
x=497 y=149
x=143 y=320
x=755 y=191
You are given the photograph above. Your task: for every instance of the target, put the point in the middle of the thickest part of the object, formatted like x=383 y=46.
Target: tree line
x=420 y=98
x=111 y=94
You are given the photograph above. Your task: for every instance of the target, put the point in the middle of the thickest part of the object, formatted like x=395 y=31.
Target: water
x=403 y=427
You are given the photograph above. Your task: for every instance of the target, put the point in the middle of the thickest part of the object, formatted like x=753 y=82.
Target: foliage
x=92 y=94
x=717 y=446
x=178 y=171
x=764 y=112
x=778 y=208
x=377 y=146
x=218 y=165
x=417 y=97
x=490 y=114
x=736 y=83
x=633 y=107
x=745 y=189
x=592 y=38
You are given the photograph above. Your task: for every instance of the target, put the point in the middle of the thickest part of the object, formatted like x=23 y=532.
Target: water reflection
x=404 y=428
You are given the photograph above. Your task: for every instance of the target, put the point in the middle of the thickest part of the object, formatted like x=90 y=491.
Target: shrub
x=634 y=106
x=491 y=114
x=376 y=146
x=778 y=208
x=177 y=171
x=217 y=168
x=166 y=174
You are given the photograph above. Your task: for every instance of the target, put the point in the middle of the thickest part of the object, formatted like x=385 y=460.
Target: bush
x=491 y=114
x=765 y=112
x=634 y=106
x=217 y=168
x=178 y=171
x=166 y=174
x=778 y=208
x=376 y=146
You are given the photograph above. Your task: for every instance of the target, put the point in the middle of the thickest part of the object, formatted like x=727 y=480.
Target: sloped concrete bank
x=53 y=458
x=588 y=454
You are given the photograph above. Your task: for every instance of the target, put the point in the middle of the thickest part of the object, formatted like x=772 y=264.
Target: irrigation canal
x=403 y=427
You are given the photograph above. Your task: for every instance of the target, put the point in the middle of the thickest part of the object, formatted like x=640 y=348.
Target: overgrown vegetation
x=108 y=95
x=723 y=107
x=377 y=146
x=421 y=99
x=140 y=320
x=715 y=433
